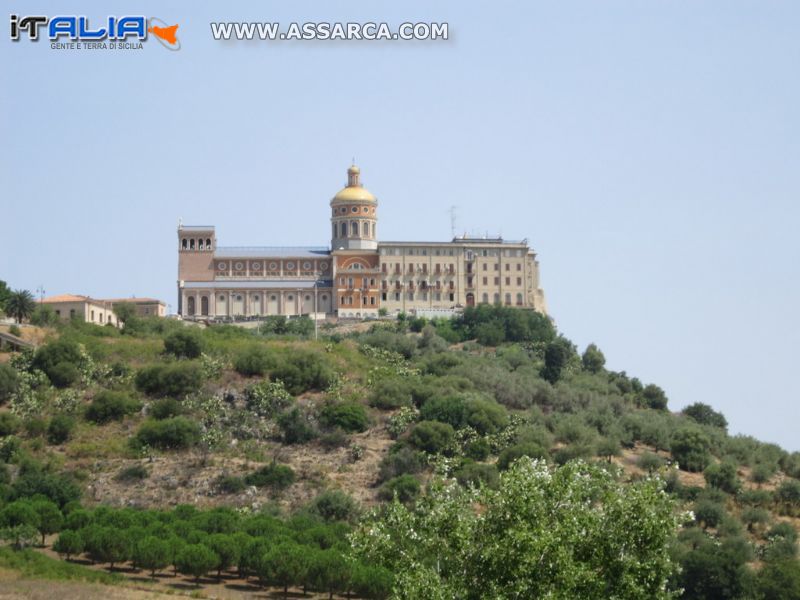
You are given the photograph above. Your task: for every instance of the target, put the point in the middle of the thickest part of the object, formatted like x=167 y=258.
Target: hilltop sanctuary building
x=357 y=275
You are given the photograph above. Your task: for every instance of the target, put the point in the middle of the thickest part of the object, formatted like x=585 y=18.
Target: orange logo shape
x=165 y=34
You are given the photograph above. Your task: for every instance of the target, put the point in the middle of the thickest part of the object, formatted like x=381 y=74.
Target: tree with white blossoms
x=559 y=533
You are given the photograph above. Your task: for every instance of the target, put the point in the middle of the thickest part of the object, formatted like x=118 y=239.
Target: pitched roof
x=67 y=298
x=134 y=300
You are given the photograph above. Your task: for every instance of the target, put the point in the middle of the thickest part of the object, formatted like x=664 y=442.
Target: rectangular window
x=397 y=296
x=469 y=281
x=438 y=297
x=508 y=280
x=508 y=267
x=485 y=266
x=411 y=296
x=485 y=281
x=383 y=296
x=497 y=281
x=424 y=295
x=452 y=297
x=519 y=280
x=496 y=267
x=519 y=266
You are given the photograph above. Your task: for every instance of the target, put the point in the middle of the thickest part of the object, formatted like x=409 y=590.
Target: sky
x=648 y=151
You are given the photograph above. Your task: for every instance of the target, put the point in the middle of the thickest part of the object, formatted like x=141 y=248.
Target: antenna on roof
x=452 y=212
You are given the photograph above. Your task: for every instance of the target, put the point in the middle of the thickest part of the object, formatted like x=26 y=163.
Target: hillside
x=247 y=457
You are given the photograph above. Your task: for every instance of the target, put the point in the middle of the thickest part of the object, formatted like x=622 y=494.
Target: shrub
x=401 y=460
x=690 y=448
x=705 y=415
x=709 y=513
x=304 y=371
x=722 y=476
x=53 y=358
x=274 y=476
x=509 y=455
x=184 y=343
x=230 y=484
x=196 y=560
x=35 y=426
x=393 y=342
x=69 y=543
x=477 y=449
x=9 y=382
x=654 y=397
x=151 y=553
x=254 y=360
x=788 y=496
x=476 y=474
x=173 y=379
x=170 y=434
x=267 y=398
x=60 y=429
x=348 y=416
x=109 y=405
x=593 y=359
x=650 y=462
x=335 y=505
x=63 y=374
x=9 y=424
x=556 y=355
x=165 y=408
x=334 y=439
x=132 y=474
x=432 y=436
x=296 y=427
x=405 y=487
x=391 y=393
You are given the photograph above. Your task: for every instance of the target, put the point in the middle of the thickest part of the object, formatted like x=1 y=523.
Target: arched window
x=366 y=229
x=497 y=298
x=191 y=244
x=324 y=297
x=190 y=306
x=204 y=306
x=485 y=298
x=508 y=299
x=344 y=229
x=354 y=228
x=184 y=243
x=200 y=244
x=519 y=299
x=335 y=230
x=208 y=243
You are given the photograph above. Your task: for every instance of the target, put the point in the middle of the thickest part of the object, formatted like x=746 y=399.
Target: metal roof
x=257 y=285
x=272 y=252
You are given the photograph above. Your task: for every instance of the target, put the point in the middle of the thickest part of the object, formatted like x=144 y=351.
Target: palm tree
x=20 y=304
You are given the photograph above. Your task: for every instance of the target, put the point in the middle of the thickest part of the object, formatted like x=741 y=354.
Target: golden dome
x=353 y=191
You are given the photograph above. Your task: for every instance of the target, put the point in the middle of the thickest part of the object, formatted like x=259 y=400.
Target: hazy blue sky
x=648 y=150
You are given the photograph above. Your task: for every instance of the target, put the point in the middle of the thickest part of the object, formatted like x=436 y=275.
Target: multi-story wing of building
x=357 y=275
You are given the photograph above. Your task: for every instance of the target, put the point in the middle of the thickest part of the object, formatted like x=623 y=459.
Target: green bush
x=59 y=429
x=165 y=408
x=509 y=455
x=650 y=462
x=69 y=543
x=175 y=433
x=274 y=476
x=401 y=460
x=267 y=398
x=172 y=379
x=132 y=474
x=654 y=397
x=335 y=505
x=35 y=426
x=59 y=360
x=9 y=424
x=405 y=487
x=348 y=416
x=478 y=474
x=477 y=449
x=723 y=477
x=690 y=448
x=184 y=343
x=705 y=415
x=593 y=359
x=9 y=382
x=254 y=360
x=432 y=436
x=295 y=426
x=391 y=393
x=109 y=405
x=709 y=513
x=304 y=371
x=63 y=374
x=230 y=484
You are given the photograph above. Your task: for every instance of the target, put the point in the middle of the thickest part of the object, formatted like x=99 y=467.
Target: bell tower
x=354 y=216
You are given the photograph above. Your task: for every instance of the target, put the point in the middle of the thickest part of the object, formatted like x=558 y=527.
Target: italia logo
x=128 y=30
